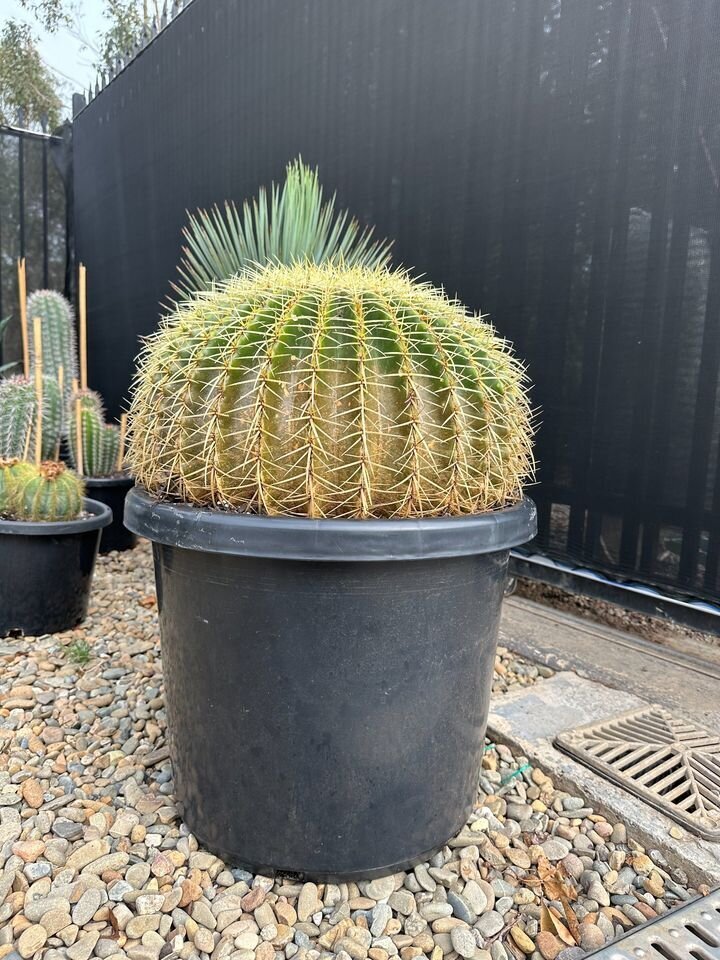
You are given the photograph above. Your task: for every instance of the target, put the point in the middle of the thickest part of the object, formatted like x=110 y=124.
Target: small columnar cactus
x=329 y=391
x=53 y=419
x=100 y=441
x=47 y=492
x=17 y=415
x=58 y=335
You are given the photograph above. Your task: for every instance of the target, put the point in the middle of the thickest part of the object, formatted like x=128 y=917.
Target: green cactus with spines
x=100 y=440
x=49 y=492
x=17 y=416
x=57 y=328
x=11 y=473
x=330 y=391
x=53 y=419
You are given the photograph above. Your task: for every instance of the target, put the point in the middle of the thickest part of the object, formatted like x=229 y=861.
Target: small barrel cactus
x=326 y=391
x=100 y=441
x=47 y=492
x=17 y=416
x=58 y=335
x=12 y=473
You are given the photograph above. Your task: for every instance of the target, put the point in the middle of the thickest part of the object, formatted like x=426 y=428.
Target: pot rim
x=302 y=538
x=101 y=516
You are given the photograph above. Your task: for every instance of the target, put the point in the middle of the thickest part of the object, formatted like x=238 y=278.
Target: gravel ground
x=95 y=863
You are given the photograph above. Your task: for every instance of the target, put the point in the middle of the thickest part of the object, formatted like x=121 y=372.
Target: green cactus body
x=12 y=473
x=17 y=415
x=58 y=335
x=100 y=440
x=53 y=419
x=330 y=391
x=49 y=492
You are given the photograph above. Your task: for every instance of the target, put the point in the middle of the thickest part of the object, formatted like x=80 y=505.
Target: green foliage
x=291 y=223
x=58 y=335
x=17 y=414
x=26 y=85
x=79 y=652
x=100 y=441
x=322 y=391
x=48 y=492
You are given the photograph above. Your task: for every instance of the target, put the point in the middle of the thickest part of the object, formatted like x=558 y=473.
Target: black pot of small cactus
x=97 y=453
x=48 y=543
x=329 y=463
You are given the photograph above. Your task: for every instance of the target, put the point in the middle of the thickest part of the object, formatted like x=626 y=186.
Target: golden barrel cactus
x=326 y=391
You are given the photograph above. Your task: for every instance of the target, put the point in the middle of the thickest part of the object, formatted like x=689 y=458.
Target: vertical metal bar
x=670 y=45
x=45 y=147
x=673 y=320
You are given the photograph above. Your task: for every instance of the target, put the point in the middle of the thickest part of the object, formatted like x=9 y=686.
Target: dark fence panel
x=555 y=163
x=33 y=220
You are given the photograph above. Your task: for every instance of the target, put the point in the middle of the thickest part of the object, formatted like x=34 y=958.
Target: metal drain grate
x=668 y=761
x=692 y=932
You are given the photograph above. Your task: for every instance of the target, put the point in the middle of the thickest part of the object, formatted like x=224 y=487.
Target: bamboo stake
x=82 y=303
x=37 y=340
x=121 y=448
x=22 y=294
x=78 y=430
x=61 y=386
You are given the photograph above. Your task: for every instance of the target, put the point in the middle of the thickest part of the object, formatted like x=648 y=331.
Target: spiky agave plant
x=327 y=391
x=58 y=335
x=47 y=492
x=291 y=223
x=99 y=441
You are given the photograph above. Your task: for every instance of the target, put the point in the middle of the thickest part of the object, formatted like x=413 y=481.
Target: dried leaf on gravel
x=552 y=924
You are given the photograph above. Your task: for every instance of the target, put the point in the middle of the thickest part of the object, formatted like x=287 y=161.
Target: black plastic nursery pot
x=112 y=492
x=327 y=681
x=46 y=570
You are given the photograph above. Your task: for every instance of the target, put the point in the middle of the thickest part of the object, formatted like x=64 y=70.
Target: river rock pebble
x=96 y=862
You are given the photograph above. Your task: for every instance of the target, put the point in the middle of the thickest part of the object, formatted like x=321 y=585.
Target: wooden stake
x=61 y=386
x=22 y=294
x=78 y=430
x=37 y=340
x=121 y=447
x=82 y=303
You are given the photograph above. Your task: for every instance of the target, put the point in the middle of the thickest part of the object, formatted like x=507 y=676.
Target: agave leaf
x=285 y=224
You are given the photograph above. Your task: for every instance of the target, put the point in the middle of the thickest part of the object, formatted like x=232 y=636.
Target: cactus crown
x=329 y=391
x=99 y=441
x=58 y=335
x=48 y=492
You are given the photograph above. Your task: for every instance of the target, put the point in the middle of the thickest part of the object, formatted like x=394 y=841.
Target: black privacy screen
x=554 y=163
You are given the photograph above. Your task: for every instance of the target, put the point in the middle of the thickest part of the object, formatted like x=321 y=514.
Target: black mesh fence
x=33 y=222
x=555 y=163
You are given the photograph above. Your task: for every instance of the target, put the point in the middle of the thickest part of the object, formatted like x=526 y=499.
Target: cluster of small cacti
x=44 y=492
x=329 y=391
x=98 y=454
x=99 y=441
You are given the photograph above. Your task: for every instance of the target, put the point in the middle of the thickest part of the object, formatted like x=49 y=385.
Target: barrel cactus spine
x=100 y=441
x=59 y=347
x=48 y=492
x=330 y=391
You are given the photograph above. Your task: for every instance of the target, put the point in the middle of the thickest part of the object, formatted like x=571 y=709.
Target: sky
x=63 y=51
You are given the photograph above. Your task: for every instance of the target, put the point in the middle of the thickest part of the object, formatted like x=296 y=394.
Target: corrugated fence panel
x=555 y=164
